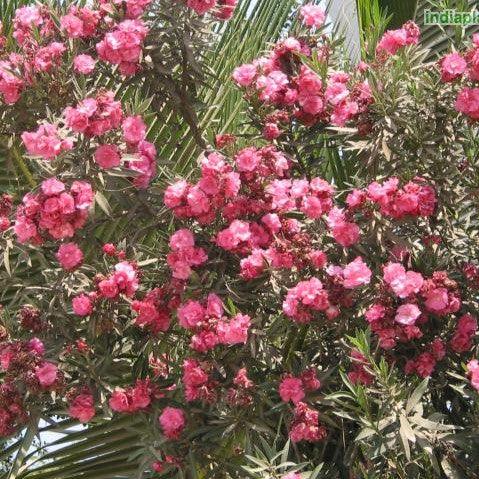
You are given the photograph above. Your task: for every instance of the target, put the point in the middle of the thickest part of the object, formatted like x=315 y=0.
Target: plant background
x=182 y=122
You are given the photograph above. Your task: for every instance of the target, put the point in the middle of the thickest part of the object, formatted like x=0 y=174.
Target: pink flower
x=437 y=300
x=45 y=142
x=292 y=475
x=108 y=288
x=304 y=298
x=247 y=159
x=401 y=282
x=235 y=331
x=48 y=57
x=82 y=305
x=95 y=116
x=467 y=102
x=313 y=15
x=119 y=401
x=70 y=256
x=184 y=255
x=201 y=6
x=425 y=364
x=305 y=425
x=172 y=421
x=452 y=66
x=10 y=83
x=37 y=346
x=345 y=233
x=291 y=389
x=122 y=46
x=407 y=314
x=230 y=238
x=107 y=156
x=46 y=374
x=190 y=314
x=72 y=25
x=393 y=40
x=473 y=370
x=84 y=64
x=356 y=274
x=182 y=239
x=144 y=164
x=82 y=407
x=134 y=129
x=245 y=74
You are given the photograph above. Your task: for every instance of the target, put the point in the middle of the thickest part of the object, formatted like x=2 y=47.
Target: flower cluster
x=410 y=310
x=117 y=33
x=184 y=254
x=46 y=142
x=172 y=421
x=133 y=398
x=305 y=425
x=415 y=198
x=95 y=116
x=122 y=46
x=295 y=388
x=25 y=372
x=209 y=324
x=55 y=211
x=221 y=9
x=197 y=381
x=304 y=95
x=393 y=40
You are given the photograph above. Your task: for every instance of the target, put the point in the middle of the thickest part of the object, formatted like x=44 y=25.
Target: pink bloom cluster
x=209 y=324
x=240 y=394
x=95 y=116
x=70 y=256
x=55 y=210
x=82 y=407
x=344 y=231
x=153 y=311
x=393 y=40
x=80 y=22
x=415 y=198
x=312 y=15
x=197 y=382
x=473 y=371
x=456 y=65
x=303 y=95
x=25 y=373
x=124 y=280
x=172 y=421
x=222 y=9
x=353 y=275
x=29 y=19
x=143 y=163
x=304 y=299
x=133 y=398
x=11 y=83
x=295 y=388
x=46 y=142
x=305 y=425
x=466 y=329
x=409 y=316
x=184 y=254
x=217 y=184
x=41 y=44
x=123 y=45
x=313 y=198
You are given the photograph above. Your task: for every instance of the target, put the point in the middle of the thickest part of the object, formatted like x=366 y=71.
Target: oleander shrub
x=299 y=303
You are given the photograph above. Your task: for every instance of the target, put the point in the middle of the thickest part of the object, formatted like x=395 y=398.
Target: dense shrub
x=312 y=286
